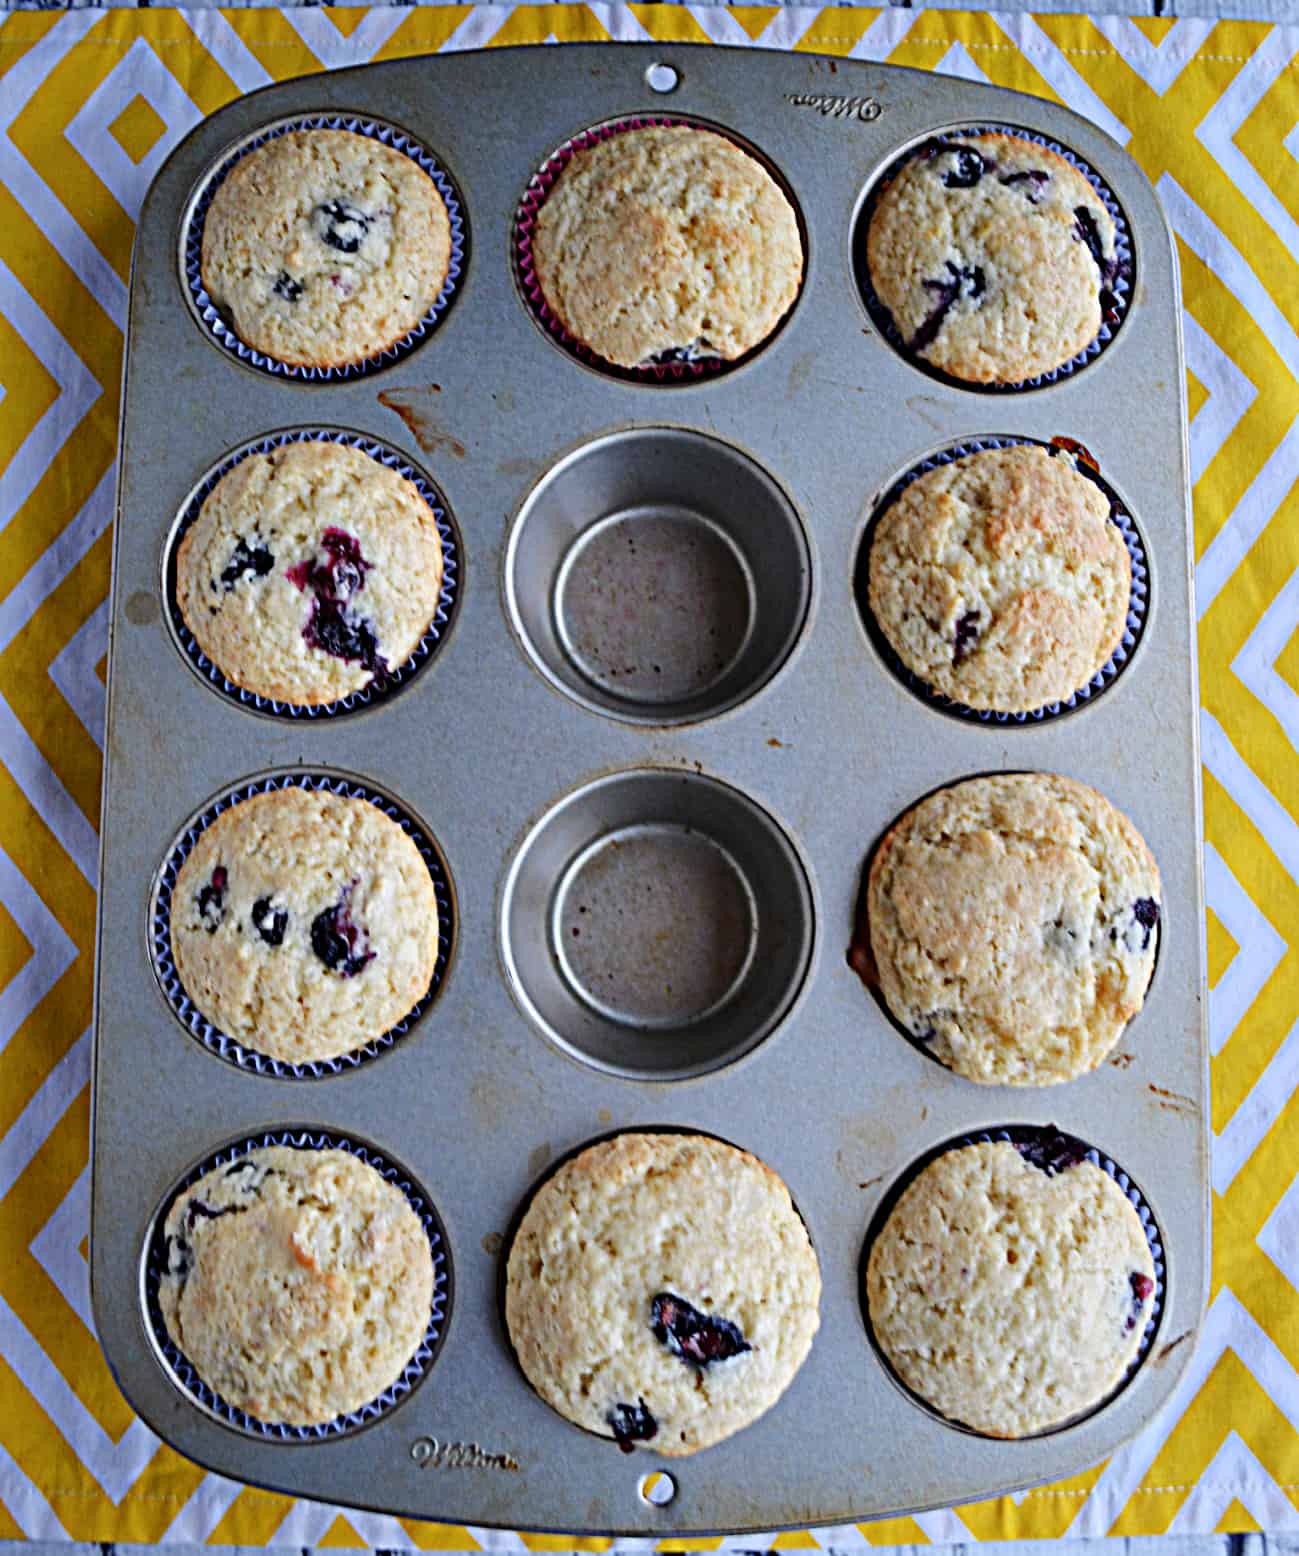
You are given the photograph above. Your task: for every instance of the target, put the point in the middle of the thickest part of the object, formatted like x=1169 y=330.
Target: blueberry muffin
x=324 y=247
x=661 y=1289
x=1011 y=1290
x=298 y=1283
x=995 y=256
x=1013 y=923
x=304 y=924
x=310 y=571
x=1000 y=579
x=667 y=242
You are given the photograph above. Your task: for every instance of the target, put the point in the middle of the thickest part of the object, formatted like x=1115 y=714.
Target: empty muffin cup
x=657 y=924
x=658 y=575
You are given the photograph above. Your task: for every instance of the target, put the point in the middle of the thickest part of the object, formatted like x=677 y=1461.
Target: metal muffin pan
x=738 y=789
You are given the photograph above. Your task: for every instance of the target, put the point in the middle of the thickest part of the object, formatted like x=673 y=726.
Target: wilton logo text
x=864 y=108
x=428 y=1451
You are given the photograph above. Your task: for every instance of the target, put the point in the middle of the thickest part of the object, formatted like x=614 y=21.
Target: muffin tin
x=689 y=773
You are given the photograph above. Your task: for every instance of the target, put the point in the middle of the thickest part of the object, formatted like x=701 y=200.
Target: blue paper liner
x=205 y=1030
x=376 y=690
x=206 y=310
x=680 y=367
x=1122 y=287
x=1109 y=672
x=1050 y=1138
x=179 y=1366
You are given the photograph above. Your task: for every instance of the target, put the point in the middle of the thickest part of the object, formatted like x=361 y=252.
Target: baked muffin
x=304 y=924
x=1000 y=578
x=324 y=247
x=1013 y=923
x=298 y=1283
x=662 y=1289
x=657 y=242
x=310 y=570
x=995 y=256
x=1010 y=1296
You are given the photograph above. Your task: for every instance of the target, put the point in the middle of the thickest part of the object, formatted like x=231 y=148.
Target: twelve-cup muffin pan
x=651 y=756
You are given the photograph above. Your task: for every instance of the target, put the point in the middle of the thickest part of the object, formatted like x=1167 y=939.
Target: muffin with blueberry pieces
x=1000 y=579
x=304 y=924
x=662 y=1290
x=1011 y=1286
x=995 y=256
x=310 y=571
x=298 y=1284
x=660 y=244
x=1011 y=924
x=323 y=248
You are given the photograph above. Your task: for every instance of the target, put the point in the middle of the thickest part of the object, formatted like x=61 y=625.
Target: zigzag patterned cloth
x=91 y=102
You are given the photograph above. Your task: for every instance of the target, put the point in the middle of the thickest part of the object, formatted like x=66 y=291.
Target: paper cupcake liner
x=376 y=690
x=676 y=367
x=205 y=310
x=179 y=1366
x=1138 y=598
x=1121 y=287
x=1053 y=1151
x=205 y=1030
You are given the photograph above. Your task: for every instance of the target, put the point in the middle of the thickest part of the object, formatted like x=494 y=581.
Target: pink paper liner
x=682 y=369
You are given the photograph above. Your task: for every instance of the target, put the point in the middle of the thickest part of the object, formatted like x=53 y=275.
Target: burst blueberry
x=256 y=560
x=698 y=1338
x=1143 y=1289
x=341 y=225
x=967 y=169
x=335 y=579
x=962 y=281
x=1146 y=912
x=632 y=1424
x=1031 y=180
x=339 y=942
x=1051 y=1152
x=1087 y=231
x=341 y=572
x=967 y=635
x=286 y=287
x=270 y=922
x=333 y=631
x=211 y=900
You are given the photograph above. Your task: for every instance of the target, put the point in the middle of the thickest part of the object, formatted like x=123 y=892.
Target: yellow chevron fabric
x=91 y=102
